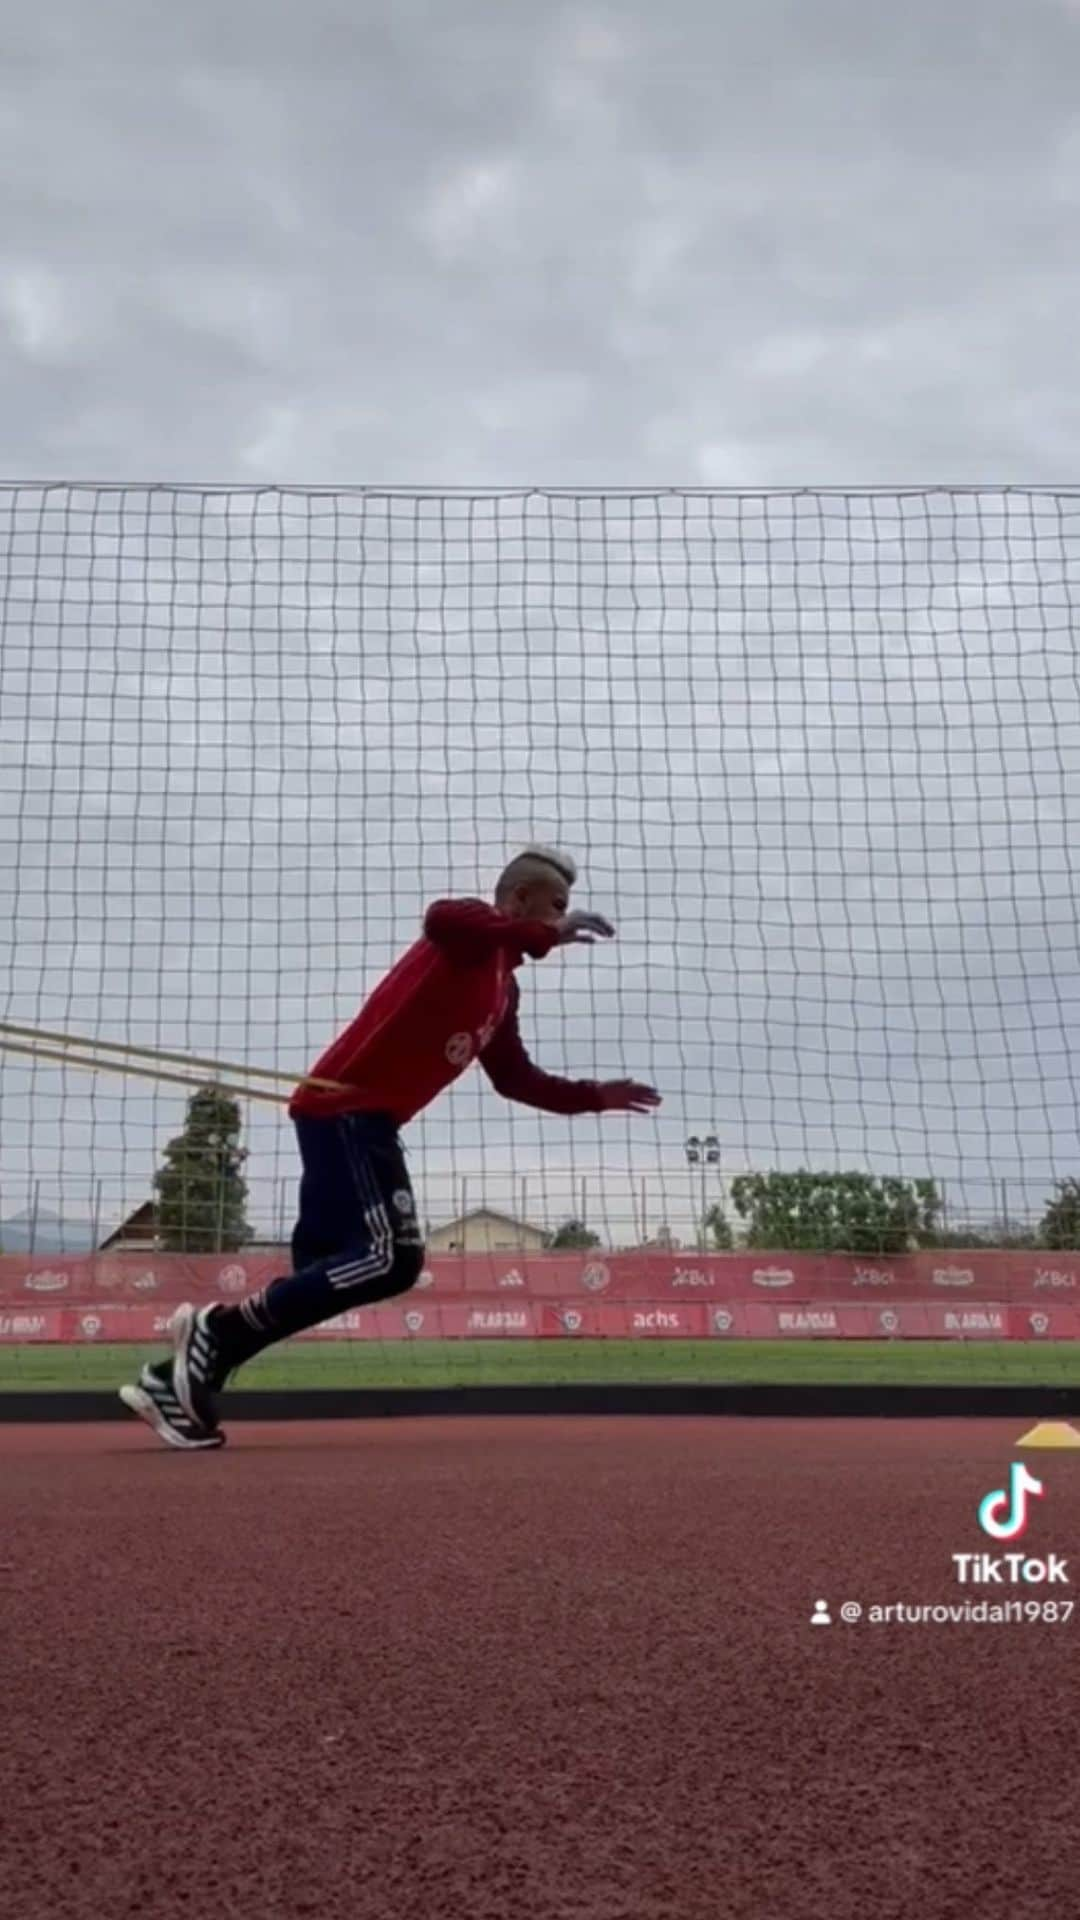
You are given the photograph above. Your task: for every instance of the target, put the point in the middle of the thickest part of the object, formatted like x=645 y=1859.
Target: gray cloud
x=728 y=245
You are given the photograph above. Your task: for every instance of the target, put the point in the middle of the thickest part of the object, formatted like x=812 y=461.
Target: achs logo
x=722 y=1320
x=888 y=1321
x=413 y=1320
x=657 y=1321
x=90 y=1326
x=1039 y=1322
x=1054 y=1278
x=511 y=1279
x=692 y=1277
x=808 y=1322
x=953 y=1277
x=1003 y=1514
x=872 y=1277
x=773 y=1277
x=595 y=1277
x=459 y=1049
x=233 y=1279
x=426 y=1279
x=46 y=1282
x=571 y=1320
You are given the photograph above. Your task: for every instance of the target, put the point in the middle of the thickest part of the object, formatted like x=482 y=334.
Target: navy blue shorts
x=357 y=1208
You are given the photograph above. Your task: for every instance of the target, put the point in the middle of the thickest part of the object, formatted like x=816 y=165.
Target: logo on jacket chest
x=486 y=1031
x=461 y=1047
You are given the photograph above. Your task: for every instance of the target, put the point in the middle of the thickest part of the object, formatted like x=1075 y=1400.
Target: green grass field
x=554 y=1362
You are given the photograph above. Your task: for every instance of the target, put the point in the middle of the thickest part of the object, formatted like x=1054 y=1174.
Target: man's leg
x=355 y=1196
x=326 y=1219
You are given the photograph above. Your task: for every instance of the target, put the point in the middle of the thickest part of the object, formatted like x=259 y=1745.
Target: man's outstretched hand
x=616 y=1096
x=581 y=929
x=628 y=1096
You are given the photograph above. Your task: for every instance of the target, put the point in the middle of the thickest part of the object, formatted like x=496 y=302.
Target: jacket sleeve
x=513 y=1074
x=467 y=931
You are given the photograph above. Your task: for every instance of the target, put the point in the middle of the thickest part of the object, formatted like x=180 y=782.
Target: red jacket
x=451 y=999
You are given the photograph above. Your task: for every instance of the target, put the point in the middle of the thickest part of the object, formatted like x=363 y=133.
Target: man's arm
x=513 y=1074
x=467 y=931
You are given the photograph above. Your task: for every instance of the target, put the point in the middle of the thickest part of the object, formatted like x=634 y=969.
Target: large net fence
x=817 y=755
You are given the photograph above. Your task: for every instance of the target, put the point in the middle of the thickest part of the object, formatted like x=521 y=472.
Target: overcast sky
x=792 y=241
x=820 y=758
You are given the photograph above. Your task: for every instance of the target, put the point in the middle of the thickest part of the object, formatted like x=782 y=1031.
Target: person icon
x=820 y=1616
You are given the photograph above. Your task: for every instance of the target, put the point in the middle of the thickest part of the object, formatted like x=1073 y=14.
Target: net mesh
x=816 y=754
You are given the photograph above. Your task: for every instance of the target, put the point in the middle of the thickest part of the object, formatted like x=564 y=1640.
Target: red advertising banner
x=976 y=1296
x=1008 y=1277
x=436 y=1320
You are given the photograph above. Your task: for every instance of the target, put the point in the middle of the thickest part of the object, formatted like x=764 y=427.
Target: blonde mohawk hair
x=563 y=863
x=529 y=864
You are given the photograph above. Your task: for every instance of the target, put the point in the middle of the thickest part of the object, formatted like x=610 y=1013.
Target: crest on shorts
x=403 y=1201
x=459 y=1049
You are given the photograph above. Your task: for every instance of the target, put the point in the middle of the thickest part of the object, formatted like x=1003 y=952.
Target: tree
x=835 y=1212
x=998 y=1236
x=201 y=1191
x=1060 y=1224
x=717 y=1235
x=962 y=1240
x=572 y=1233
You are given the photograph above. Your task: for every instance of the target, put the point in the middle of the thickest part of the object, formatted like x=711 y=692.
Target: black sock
x=237 y=1338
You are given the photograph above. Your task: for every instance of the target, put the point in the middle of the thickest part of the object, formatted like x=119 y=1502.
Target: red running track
x=525 y=1670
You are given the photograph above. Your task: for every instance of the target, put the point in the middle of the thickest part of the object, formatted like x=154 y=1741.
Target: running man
x=450 y=999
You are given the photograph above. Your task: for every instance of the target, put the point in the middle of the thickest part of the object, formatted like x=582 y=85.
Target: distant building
x=484 y=1231
x=663 y=1241
x=137 y=1234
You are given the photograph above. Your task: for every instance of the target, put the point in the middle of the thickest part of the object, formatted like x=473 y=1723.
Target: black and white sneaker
x=154 y=1399
x=200 y=1368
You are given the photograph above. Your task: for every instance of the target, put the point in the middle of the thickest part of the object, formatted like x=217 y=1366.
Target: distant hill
x=47 y=1233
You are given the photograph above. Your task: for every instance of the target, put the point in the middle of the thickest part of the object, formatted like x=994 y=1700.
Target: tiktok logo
x=1003 y=1514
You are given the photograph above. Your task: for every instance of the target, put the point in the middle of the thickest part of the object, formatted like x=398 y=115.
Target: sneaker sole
x=147 y=1409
